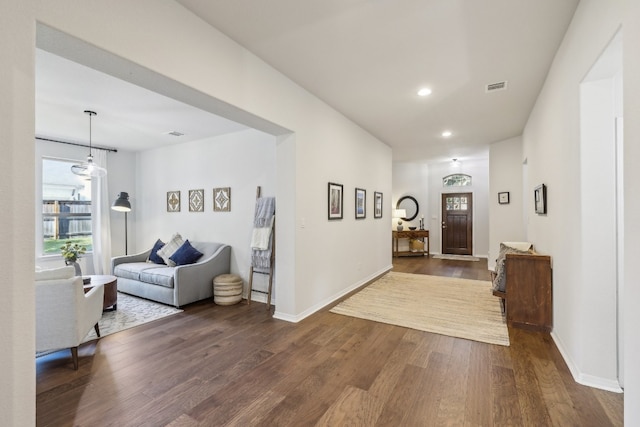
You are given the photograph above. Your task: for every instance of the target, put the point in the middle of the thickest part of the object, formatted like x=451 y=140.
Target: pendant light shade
x=89 y=168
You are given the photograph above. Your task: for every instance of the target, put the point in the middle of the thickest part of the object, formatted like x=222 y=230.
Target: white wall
x=583 y=327
x=631 y=71
x=17 y=394
x=325 y=145
x=411 y=179
x=505 y=174
x=241 y=161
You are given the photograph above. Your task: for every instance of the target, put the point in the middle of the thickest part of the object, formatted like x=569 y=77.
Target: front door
x=457 y=223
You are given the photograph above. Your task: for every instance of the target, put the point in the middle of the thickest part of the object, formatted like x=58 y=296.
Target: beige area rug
x=443 y=305
x=457 y=257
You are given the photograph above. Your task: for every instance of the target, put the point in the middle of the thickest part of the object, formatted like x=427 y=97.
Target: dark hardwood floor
x=235 y=365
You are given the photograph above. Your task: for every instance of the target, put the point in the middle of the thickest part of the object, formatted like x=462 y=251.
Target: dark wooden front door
x=457 y=223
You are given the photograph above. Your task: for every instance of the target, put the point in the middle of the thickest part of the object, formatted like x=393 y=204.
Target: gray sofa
x=175 y=286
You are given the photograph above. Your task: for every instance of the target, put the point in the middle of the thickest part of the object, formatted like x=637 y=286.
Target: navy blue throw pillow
x=153 y=256
x=186 y=254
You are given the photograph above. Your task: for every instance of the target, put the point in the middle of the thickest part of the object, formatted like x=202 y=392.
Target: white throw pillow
x=56 y=273
x=167 y=250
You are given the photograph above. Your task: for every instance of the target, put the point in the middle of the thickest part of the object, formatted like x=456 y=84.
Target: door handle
x=444 y=226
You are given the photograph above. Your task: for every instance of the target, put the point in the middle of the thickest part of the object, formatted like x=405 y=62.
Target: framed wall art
x=196 y=200
x=335 y=199
x=540 y=199
x=222 y=199
x=173 y=201
x=361 y=203
x=377 y=204
x=503 y=198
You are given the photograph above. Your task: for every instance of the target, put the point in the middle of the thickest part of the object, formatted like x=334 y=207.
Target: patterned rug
x=443 y=305
x=132 y=311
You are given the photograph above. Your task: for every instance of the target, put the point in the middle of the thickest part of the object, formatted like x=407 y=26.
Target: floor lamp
x=122 y=204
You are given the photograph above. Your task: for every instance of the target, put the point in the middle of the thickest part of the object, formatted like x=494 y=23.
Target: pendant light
x=89 y=168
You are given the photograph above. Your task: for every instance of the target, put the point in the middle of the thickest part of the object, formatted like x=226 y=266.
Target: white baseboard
x=585 y=379
x=329 y=300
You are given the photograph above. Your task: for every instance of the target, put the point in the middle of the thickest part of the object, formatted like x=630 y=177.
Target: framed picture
x=173 y=201
x=377 y=204
x=335 y=201
x=196 y=200
x=540 y=199
x=222 y=199
x=361 y=203
x=503 y=198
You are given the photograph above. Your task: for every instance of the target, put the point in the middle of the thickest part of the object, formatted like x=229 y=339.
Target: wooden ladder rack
x=269 y=271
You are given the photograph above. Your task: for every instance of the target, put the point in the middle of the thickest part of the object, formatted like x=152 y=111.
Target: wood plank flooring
x=235 y=365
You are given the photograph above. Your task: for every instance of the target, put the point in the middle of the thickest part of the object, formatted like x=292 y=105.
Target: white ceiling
x=366 y=58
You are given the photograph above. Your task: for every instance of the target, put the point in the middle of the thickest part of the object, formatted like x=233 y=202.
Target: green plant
x=72 y=251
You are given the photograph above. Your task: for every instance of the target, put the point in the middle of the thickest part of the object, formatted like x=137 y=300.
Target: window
x=66 y=207
x=456 y=180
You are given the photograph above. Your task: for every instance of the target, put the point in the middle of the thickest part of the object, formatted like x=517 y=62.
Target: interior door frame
x=470 y=217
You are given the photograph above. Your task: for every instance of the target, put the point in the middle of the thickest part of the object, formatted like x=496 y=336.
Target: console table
x=409 y=234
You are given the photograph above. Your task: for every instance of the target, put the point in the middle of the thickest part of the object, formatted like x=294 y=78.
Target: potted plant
x=71 y=252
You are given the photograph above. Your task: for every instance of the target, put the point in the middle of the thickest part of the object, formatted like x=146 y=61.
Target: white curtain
x=100 y=224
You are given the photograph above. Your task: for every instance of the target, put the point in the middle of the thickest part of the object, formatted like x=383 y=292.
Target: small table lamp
x=399 y=214
x=122 y=204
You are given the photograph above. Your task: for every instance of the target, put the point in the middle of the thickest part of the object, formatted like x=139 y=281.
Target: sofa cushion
x=499 y=280
x=161 y=276
x=153 y=255
x=186 y=254
x=132 y=270
x=167 y=250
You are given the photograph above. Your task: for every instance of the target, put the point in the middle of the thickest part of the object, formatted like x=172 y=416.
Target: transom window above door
x=456 y=180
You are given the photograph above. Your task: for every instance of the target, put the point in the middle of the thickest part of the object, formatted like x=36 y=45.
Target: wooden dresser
x=528 y=293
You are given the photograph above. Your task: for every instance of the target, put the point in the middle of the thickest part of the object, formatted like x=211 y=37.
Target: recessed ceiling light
x=447 y=133
x=425 y=91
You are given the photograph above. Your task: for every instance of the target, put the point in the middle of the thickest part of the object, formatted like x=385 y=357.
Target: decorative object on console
x=222 y=199
x=399 y=214
x=361 y=203
x=173 y=201
x=335 y=198
x=377 y=204
x=196 y=200
x=122 y=204
x=540 y=199
x=503 y=198
x=88 y=168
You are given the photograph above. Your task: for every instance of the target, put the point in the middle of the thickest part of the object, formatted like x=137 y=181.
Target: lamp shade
x=399 y=213
x=122 y=203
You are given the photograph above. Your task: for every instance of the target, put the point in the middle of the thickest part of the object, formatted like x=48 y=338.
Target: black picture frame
x=335 y=198
x=377 y=204
x=503 y=198
x=361 y=203
x=540 y=199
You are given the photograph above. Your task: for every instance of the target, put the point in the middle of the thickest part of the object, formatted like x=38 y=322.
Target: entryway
x=457 y=223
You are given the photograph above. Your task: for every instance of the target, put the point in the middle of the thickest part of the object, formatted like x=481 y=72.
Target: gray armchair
x=64 y=313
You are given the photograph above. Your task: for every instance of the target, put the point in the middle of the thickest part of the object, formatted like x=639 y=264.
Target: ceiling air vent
x=492 y=87
x=175 y=133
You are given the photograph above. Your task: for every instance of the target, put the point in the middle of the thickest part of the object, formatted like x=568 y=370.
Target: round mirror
x=410 y=205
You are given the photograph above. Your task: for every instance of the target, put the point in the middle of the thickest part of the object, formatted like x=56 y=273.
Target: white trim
x=584 y=379
x=329 y=300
